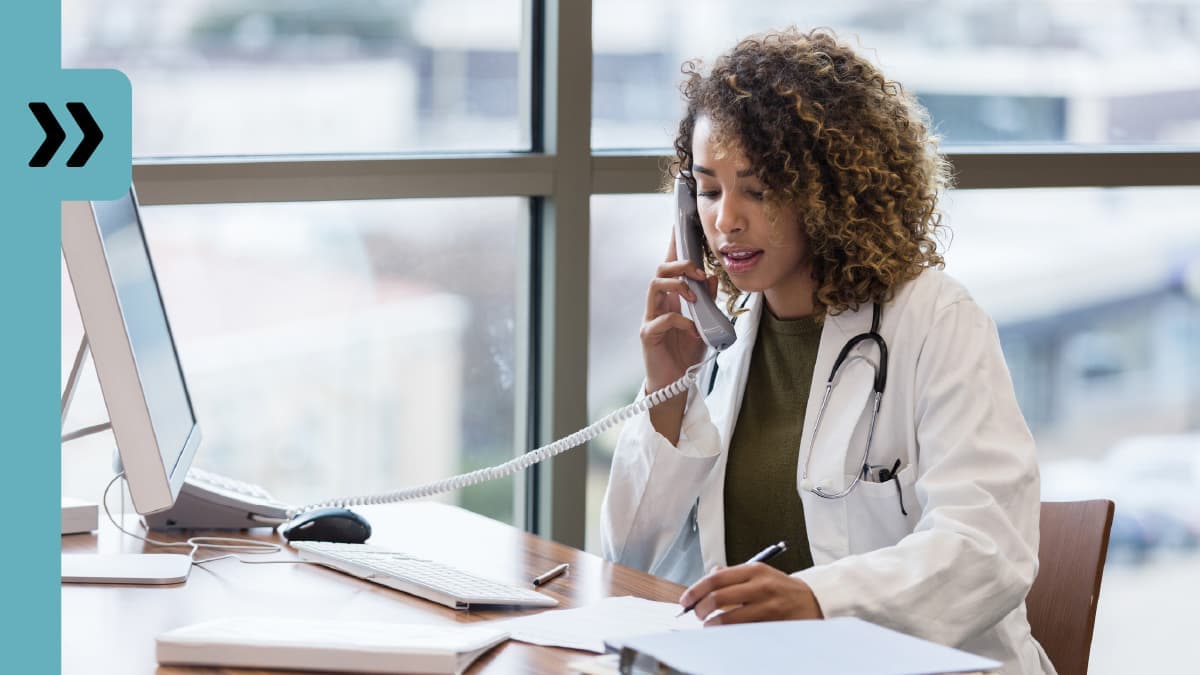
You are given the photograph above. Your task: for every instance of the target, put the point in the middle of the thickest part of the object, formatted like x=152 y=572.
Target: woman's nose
x=730 y=218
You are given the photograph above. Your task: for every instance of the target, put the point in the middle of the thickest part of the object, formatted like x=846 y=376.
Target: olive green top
x=762 y=505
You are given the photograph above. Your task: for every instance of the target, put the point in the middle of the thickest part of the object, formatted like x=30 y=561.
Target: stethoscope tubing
x=880 y=384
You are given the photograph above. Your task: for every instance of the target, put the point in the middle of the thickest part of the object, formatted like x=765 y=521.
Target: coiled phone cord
x=524 y=461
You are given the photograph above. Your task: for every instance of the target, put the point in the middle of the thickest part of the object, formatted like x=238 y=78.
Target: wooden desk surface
x=111 y=629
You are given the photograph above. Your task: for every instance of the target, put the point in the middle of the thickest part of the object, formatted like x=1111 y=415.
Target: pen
x=762 y=556
x=553 y=574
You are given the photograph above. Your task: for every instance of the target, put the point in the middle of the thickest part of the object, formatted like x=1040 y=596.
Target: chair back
x=1062 y=603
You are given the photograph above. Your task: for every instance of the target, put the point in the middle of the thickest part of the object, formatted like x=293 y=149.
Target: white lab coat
x=955 y=570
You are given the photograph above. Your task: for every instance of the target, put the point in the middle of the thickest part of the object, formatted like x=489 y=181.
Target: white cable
x=195 y=543
x=524 y=461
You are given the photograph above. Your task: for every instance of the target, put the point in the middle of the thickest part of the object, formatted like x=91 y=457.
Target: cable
x=524 y=461
x=195 y=543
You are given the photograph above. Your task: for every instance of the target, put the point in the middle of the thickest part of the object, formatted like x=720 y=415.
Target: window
x=259 y=77
x=232 y=97
x=343 y=348
x=1011 y=71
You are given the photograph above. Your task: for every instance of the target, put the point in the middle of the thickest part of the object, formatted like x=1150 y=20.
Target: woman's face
x=759 y=255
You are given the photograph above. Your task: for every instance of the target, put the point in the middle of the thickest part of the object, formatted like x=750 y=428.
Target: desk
x=111 y=629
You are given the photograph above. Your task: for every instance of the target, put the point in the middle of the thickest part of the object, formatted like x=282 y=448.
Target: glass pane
x=1096 y=294
x=248 y=77
x=336 y=348
x=1006 y=72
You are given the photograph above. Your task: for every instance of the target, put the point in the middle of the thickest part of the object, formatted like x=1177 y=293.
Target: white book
x=329 y=645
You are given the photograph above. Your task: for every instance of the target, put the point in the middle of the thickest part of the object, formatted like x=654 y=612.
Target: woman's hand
x=670 y=342
x=751 y=592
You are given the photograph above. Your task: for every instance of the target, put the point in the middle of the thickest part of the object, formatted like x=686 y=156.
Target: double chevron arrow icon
x=55 y=134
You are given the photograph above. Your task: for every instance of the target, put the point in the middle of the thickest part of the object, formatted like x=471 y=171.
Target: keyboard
x=434 y=581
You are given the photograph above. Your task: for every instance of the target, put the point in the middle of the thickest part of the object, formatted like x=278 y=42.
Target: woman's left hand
x=751 y=592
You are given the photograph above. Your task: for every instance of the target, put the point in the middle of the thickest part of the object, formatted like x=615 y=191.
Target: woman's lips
x=738 y=262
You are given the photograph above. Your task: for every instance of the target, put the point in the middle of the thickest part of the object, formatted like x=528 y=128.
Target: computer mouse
x=342 y=526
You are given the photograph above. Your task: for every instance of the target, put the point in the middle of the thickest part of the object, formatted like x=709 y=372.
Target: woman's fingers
x=758 y=611
x=731 y=587
x=721 y=577
x=660 y=289
x=751 y=592
x=669 y=278
x=680 y=268
x=654 y=330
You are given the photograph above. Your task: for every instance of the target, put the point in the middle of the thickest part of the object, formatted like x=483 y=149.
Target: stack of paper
x=588 y=628
x=346 y=646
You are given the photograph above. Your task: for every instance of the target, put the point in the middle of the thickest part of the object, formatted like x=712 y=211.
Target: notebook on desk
x=328 y=645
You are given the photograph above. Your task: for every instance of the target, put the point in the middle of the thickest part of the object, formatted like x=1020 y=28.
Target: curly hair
x=826 y=133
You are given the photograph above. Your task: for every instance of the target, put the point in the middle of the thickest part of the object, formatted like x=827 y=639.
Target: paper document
x=841 y=646
x=588 y=627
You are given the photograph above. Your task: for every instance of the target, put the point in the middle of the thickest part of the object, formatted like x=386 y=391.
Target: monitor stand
x=114 y=568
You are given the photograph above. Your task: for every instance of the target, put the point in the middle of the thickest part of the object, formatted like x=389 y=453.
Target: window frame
x=559 y=175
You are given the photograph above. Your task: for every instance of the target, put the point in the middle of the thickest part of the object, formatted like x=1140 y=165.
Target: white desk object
x=838 y=646
x=329 y=645
x=79 y=516
x=154 y=569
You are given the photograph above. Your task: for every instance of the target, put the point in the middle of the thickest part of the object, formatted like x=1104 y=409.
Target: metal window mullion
x=632 y=172
x=562 y=220
x=535 y=174
x=1067 y=168
x=297 y=180
x=528 y=319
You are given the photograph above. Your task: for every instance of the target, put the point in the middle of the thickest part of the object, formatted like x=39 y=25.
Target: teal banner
x=64 y=135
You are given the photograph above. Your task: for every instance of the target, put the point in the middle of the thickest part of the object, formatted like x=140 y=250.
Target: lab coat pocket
x=874 y=515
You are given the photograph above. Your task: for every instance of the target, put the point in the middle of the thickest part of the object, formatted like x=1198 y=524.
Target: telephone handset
x=714 y=327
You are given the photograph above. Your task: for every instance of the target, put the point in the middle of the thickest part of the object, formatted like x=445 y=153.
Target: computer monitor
x=131 y=343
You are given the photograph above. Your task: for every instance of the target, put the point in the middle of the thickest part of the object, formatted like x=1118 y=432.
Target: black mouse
x=342 y=526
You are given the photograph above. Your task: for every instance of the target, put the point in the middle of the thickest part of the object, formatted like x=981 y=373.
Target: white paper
x=839 y=646
x=588 y=627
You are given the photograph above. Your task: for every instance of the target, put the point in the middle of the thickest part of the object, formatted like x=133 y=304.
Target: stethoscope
x=872 y=335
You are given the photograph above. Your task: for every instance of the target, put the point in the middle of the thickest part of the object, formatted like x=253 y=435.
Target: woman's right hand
x=670 y=342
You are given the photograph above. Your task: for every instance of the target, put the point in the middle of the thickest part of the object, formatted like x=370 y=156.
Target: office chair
x=1062 y=603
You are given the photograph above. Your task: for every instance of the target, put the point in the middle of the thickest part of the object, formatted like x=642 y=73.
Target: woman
x=817 y=182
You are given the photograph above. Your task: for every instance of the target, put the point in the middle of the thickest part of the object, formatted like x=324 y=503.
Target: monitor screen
x=146 y=326
x=131 y=344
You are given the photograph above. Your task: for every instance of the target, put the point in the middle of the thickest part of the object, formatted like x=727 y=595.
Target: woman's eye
x=756 y=194
x=708 y=194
